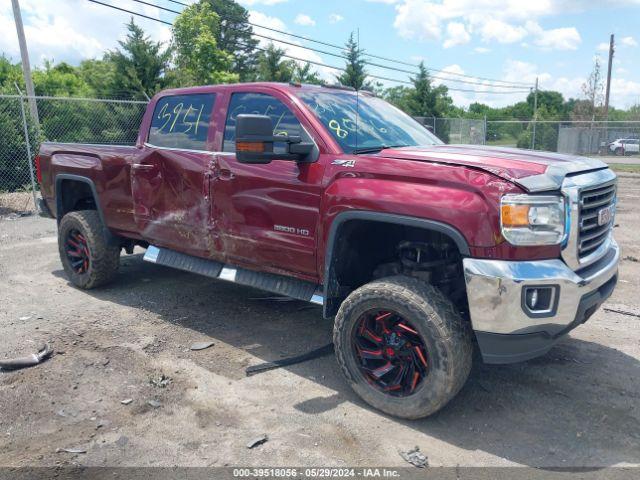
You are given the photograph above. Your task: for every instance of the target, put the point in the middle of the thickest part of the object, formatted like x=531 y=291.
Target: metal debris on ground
x=201 y=346
x=154 y=403
x=17 y=215
x=30 y=361
x=415 y=457
x=631 y=259
x=317 y=353
x=274 y=299
x=71 y=450
x=126 y=401
x=160 y=381
x=258 y=441
x=621 y=311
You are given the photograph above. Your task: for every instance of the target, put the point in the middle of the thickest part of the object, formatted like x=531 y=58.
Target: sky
x=508 y=40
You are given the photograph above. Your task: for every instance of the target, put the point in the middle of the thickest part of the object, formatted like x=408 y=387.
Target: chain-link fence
x=572 y=137
x=14 y=157
x=59 y=119
x=580 y=137
x=87 y=120
x=456 y=130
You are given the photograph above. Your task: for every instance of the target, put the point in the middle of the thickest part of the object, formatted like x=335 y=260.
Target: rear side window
x=182 y=121
x=284 y=121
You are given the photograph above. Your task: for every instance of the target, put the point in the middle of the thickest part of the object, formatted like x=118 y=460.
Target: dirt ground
x=577 y=406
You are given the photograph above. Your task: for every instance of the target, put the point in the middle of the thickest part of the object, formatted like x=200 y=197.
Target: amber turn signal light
x=253 y=147
x=515 y=215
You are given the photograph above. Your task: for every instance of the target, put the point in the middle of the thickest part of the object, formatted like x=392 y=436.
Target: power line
x=340 y=47
x=377 y=77
x=504 y=84
x=132 y=13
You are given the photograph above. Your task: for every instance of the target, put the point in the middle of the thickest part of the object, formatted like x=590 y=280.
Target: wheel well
x=365 y=250
x=74 y=195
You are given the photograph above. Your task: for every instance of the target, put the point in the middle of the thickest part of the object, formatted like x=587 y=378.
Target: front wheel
x=619 y=151
x=402 y=346
x=88 y=259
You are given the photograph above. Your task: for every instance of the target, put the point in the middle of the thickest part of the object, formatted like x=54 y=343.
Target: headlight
x=532 y=219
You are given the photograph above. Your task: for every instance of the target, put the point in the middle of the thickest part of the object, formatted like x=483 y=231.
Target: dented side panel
x=171 y=198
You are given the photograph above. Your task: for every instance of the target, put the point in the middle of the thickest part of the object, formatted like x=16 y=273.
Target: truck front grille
x=592 y=201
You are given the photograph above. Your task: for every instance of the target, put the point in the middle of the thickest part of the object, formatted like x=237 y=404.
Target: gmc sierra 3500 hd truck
x=418 y=249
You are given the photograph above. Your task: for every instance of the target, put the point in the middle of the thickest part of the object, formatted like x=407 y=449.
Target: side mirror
x=255 y=139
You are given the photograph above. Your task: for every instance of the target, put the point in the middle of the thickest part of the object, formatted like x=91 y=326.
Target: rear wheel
x=88 y=260
x=402 y=346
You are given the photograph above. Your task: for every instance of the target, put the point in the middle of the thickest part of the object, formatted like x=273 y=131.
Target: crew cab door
x=268 y=214
x=170 y=178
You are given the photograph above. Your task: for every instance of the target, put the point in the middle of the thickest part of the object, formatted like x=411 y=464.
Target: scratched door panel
x=180 y=211
x=170 y=180
x=268 y=214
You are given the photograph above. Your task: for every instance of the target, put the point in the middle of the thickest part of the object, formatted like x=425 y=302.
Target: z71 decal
x=344 y=163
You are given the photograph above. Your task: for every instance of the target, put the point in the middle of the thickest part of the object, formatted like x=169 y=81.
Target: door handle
x=143 y=167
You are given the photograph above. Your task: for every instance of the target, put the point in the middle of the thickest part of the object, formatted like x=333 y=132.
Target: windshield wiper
x=377 y=148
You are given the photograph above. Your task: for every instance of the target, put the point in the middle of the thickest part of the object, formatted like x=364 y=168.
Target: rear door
x=170 y=178
x=268 y=214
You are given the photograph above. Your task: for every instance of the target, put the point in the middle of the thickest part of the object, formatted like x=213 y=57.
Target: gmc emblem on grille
x=604 y=215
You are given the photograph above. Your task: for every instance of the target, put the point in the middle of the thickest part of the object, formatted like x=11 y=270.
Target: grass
x=624 y=167
x=509 y=142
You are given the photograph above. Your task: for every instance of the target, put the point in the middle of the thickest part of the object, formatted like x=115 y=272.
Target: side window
x=284 y=121
x=182 y=121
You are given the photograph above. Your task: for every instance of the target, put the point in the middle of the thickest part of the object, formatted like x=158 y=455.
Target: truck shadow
x=576 y=406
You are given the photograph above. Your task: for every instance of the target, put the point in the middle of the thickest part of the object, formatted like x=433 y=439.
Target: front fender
x=466 y=209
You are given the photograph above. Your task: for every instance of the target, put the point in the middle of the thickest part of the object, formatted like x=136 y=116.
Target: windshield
x=379 y=124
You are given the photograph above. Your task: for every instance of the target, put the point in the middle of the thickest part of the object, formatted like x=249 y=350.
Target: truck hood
x=532 y=170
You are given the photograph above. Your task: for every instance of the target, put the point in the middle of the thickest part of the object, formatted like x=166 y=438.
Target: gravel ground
x=577 y=406
x=16 y=203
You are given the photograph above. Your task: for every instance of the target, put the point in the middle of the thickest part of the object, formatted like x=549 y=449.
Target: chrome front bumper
x=494 y=290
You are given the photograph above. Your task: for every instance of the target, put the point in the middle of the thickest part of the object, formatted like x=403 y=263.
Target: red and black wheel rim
x=77 y=250
x=390 y=352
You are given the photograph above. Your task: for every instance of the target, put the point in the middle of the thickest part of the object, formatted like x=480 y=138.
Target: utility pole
x=606 y=96
x=535 y=115
x=26 y=67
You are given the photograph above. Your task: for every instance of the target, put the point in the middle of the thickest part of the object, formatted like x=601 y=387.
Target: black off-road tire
x=104 y=259
x=446 y=335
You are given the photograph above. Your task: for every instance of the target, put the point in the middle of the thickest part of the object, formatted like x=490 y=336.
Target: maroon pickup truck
x=418 y=249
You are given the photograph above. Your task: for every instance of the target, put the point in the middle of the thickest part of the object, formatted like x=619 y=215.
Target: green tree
x=139 y=65
x=197 y=55
x=100 y=76
x=398 y=96
x=10 y=74
x=305 y=74
x=424 y=99
x=272 y=67
x=355 y=74
x=552 y=101
x=235 y=36
x=61 y=80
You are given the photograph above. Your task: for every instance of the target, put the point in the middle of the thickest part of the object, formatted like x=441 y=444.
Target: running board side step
x=290 y=287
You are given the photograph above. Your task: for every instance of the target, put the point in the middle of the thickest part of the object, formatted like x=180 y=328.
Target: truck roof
x=283 y=87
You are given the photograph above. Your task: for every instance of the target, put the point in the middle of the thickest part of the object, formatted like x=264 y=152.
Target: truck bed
x=108 y=167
